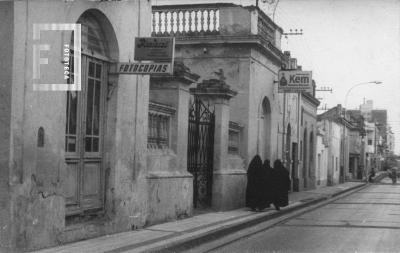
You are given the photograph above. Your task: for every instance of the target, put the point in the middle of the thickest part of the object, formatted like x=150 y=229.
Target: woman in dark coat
x=267 y=190
x=254 y=184
x=281 y=185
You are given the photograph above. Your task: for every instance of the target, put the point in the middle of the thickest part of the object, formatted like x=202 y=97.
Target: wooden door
x=295 y=182
x=83 y=186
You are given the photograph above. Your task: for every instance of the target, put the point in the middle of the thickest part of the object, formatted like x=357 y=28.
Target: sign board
x=294 y=81
x=154 y=49
x=137 y=68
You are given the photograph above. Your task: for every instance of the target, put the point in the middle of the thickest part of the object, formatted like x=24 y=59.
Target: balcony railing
x=185 y=21
x=220 y=20
x=265 y=29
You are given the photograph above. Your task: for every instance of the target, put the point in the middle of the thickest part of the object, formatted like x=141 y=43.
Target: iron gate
x=200 y=152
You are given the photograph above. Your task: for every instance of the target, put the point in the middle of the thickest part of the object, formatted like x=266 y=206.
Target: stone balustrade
x=185 y=20
x=214 y=19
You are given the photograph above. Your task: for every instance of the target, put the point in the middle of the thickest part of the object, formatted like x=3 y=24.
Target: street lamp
x=356 y=85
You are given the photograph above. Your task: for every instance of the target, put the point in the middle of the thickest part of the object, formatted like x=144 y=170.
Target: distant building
x=342 y=137
x=390 y=140
x=322 y=152
x=331 y=124
x=378 y=137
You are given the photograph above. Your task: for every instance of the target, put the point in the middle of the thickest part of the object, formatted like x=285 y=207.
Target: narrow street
x=366 y=221
x=170 y=125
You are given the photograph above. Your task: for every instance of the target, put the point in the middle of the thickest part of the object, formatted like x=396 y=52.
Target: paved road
x=365 y=221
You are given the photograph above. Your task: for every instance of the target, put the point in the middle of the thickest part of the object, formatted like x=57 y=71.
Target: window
x=158 y=135
x=301 y=150
x=234 y=138
x=370 y=142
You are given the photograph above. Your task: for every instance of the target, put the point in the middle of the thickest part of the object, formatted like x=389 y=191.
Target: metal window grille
x=234 y=138
x=158 y=136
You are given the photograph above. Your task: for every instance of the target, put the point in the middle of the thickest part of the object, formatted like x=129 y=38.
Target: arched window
x=266 y=129
x=305 y=162
x=287 y=149
x=85 y=119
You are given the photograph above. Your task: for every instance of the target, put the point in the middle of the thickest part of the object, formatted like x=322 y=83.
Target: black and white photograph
x=232 y=126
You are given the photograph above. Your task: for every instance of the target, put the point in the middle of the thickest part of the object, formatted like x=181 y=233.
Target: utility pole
x=293 y=32
x=325 y=88
x=323 y=108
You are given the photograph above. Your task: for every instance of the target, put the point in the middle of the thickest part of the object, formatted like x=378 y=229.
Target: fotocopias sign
x=153 y=56
x=294 y=81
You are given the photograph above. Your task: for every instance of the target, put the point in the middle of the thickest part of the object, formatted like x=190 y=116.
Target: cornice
x=254 y=40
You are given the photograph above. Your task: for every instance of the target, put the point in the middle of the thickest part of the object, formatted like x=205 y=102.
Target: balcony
x=210 y=22
x=185 y=20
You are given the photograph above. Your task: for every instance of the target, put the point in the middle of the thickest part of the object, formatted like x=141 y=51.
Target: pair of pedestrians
x=266 y=185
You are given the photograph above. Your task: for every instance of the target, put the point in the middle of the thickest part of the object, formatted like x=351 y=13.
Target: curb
x=195 y=240
x=347 y=190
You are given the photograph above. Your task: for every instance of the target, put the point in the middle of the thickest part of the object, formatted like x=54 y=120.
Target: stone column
x=229 y=184
x=170 y=184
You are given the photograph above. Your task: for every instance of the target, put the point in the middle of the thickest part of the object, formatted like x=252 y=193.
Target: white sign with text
x=295 y=81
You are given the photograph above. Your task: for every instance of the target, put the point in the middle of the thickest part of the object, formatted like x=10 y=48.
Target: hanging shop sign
x=158 y=52
x=154 y=49
x=137 y=68
x=294 y=81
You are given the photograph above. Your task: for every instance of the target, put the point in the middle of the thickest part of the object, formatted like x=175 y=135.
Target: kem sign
x=295 y=81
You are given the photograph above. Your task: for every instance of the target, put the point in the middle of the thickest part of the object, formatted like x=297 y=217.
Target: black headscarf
x=267 y=184
x=281 y=183
x=278 y=165
x=253 y=188
x=267 y=164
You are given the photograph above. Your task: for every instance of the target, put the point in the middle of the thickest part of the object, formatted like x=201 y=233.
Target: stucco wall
x=322 y=166
x=6 y=53
x=170 y=184
x=334 y=152
x=206 y=59
x=235 y=21
x=37 y=173
x=263 y=73
x=307 y=173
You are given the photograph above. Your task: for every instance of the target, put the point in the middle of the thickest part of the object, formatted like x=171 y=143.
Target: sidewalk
x=201 y=227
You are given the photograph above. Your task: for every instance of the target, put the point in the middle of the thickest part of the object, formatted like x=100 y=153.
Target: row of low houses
x=352 y=143
x=132 y=150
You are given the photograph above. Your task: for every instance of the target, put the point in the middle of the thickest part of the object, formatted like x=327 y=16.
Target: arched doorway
x=311 y=156
x=288 y=158
x=266 y=129
x=86 y=115
x=305 y=157
x=287 y=148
